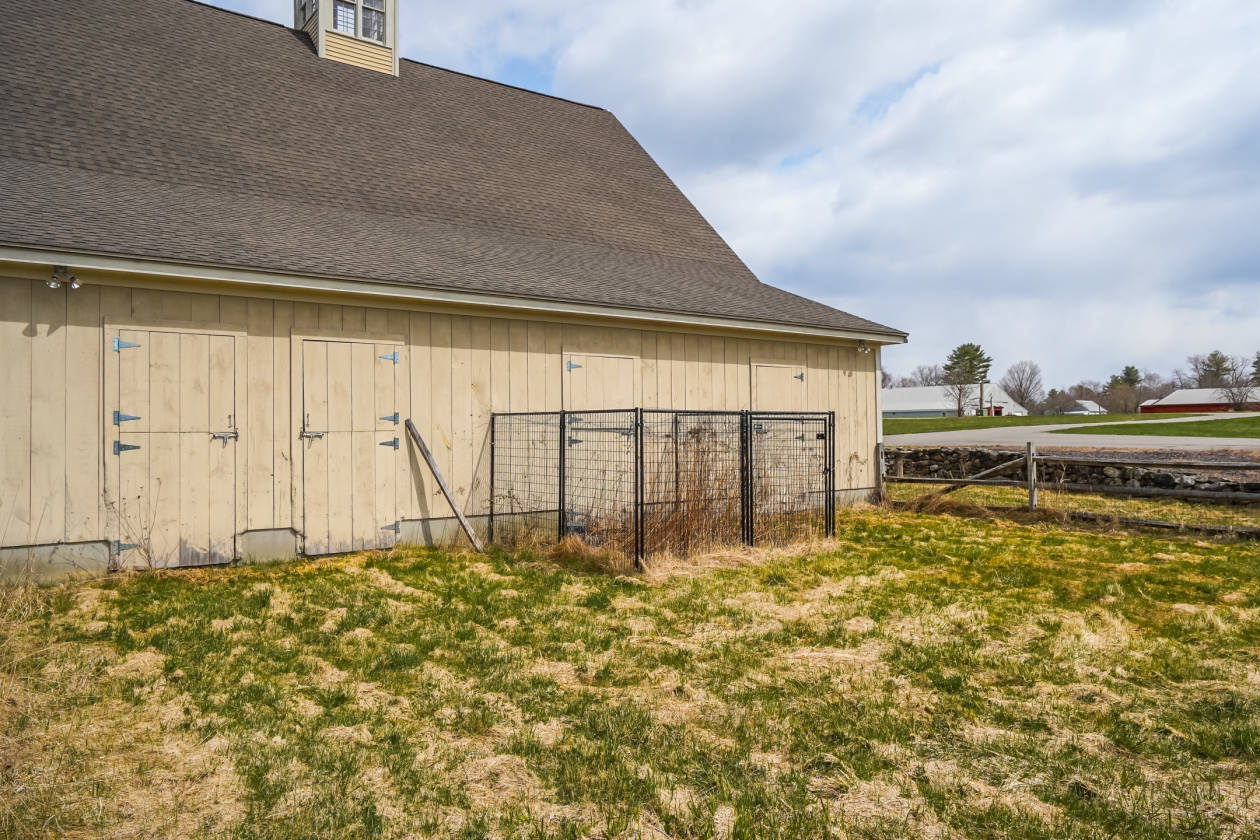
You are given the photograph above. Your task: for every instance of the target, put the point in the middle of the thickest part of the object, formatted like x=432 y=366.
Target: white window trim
x=358 y=21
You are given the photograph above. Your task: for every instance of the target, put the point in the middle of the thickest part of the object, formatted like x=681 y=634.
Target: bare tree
x=1237 y=387
x=923 y=376
x=960 y=392
x=1022 y=381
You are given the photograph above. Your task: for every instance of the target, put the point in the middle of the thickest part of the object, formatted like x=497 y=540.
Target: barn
x=235 y=258
x=1190 y=400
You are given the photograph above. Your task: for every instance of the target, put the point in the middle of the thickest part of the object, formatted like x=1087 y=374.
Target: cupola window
x=374 y=19
x=343 y=17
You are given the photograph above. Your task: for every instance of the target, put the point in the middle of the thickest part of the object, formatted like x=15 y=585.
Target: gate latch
x=225 y=436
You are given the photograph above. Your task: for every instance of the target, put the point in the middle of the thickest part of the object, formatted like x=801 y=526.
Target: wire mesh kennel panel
x=524 y=491
x=790 y=458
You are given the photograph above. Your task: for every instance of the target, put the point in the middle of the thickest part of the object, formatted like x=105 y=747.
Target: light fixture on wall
x=863 y=348
x=61 y=274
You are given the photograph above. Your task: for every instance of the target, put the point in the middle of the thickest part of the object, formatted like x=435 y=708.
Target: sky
x=1075 y=182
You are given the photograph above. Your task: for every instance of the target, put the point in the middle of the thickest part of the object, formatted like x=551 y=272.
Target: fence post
x=490 y=524
x=1032 y=475
x=830 y=528
x=880 y=474
x=564 y=445
x=638 y=489
x=745 y=479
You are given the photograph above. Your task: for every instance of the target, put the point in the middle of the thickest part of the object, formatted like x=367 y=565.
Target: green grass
x=917 y=676
x=911 y=426
x=1235 y=427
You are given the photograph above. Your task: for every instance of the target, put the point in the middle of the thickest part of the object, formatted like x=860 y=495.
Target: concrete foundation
x=41 y=564
x=267 y=546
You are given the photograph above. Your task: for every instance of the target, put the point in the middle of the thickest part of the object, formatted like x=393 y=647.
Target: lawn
x=919 y=676
x=1235 y=427
x=912 y=426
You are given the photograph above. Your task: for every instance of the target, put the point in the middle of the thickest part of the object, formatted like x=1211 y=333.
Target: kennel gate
x=644 y=481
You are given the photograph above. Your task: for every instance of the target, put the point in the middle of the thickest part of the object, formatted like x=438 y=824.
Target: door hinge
x=120 y=547
x=570 y=366
x=396 y=528
x=119 y=344
x=392 y=418
x=800 y=376
x=574 y=441
x=393 y=443
x=391 y=357
x=120 y=418
x=120 y=447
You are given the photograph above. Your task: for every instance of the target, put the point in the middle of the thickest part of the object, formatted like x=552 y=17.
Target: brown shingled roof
x=172 y=130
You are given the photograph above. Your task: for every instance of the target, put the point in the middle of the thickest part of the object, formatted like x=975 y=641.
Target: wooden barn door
x=351 y=442
x=778 y=386
x=172 y=433
x=594 y=382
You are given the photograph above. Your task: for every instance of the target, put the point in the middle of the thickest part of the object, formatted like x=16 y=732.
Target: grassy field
x=1236 y=427
x=919 y=676
x=904 y=426
x=1156 y=509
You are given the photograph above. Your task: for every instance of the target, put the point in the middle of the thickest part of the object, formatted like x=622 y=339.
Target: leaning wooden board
x=446 y=491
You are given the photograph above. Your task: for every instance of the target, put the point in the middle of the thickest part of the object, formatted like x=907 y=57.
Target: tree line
x=1236 y=379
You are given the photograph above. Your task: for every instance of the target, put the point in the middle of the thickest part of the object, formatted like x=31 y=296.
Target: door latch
x=225 y=436
x=311 y=435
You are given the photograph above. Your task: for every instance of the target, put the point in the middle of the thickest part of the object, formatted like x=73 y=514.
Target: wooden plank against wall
x=442 y=401
x=258 y=428
x=15 y=412
x=48 y=414
x=460 y=477
x=479 y=390
x=421 y=486
x=84 y=410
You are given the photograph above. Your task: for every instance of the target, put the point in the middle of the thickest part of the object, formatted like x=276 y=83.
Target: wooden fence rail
x=1034 y=478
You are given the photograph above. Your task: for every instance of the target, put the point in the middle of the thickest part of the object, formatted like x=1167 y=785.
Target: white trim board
x=328 y=285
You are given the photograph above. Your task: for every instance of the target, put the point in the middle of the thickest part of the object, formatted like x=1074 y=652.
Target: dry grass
x=918 y=676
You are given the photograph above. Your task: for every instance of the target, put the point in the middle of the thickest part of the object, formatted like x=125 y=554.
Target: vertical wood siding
x=58 y=392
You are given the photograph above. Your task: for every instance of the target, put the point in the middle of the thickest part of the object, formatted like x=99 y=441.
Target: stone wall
x=954 y=462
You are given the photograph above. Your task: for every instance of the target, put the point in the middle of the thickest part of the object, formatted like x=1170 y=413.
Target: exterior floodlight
x=863 y=348
x=62 y=275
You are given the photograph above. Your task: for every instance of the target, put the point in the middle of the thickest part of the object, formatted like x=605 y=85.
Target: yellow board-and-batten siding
x=358 y=52
x=455 y=367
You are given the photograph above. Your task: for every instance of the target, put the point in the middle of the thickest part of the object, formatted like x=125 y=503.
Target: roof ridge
x=401 y=57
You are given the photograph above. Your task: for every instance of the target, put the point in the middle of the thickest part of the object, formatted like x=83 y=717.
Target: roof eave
x=159 y=270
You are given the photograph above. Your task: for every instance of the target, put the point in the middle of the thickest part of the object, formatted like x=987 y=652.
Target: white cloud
x=1073 y=181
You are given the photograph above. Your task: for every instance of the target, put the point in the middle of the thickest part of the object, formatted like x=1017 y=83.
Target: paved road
x=1014 y=436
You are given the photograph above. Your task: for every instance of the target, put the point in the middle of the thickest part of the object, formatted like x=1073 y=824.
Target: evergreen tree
x=966 y=367
x=1255 y=369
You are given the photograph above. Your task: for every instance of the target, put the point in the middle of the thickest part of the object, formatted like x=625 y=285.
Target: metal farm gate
x=646 y=481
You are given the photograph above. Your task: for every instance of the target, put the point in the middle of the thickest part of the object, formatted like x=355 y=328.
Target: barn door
x=778 y=386
x=174 y=437
x=351 y=442
x=595 y=382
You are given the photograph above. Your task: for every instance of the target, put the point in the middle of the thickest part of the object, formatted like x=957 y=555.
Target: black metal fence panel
x=647 y=482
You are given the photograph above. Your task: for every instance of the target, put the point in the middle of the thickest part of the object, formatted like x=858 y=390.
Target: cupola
x=359 y=32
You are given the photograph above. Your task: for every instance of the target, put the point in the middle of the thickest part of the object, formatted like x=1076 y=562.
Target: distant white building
x=1086 y=407
x=936 y=401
